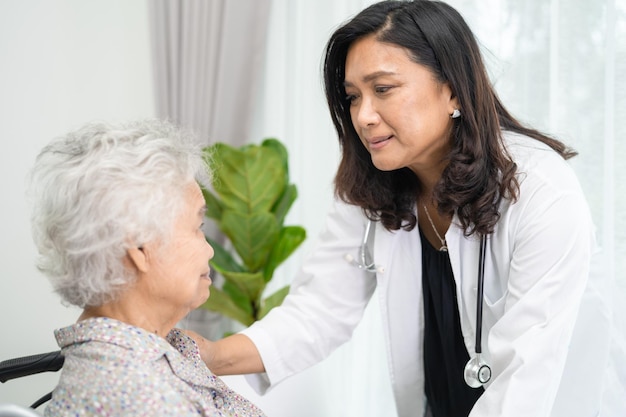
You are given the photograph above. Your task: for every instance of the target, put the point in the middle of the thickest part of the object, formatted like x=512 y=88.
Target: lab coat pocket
x=493 y=308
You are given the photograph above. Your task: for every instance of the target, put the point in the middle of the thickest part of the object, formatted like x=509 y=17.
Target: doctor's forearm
x=233 y=355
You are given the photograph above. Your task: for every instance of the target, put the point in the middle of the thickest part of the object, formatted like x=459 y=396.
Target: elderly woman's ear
x=138 y=258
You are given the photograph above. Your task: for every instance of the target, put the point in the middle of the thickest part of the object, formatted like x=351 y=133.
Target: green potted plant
x=250 y=198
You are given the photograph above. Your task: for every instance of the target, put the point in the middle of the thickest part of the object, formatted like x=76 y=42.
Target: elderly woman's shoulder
x=111 y=379
x=183 y=343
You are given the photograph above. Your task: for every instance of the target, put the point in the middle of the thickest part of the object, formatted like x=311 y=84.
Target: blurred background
x=238 y=71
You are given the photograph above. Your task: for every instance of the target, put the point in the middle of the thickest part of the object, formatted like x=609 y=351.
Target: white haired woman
x=117 y=221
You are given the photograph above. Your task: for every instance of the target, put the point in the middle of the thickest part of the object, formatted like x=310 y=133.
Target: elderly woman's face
x=179 y=276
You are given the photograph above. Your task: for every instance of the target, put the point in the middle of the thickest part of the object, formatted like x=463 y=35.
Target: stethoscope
x=477 y=372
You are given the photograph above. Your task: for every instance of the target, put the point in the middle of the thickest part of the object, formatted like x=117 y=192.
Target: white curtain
x=557 y=64
x=207 y=55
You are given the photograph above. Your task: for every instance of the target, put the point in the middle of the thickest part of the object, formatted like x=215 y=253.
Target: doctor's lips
x=378 y=141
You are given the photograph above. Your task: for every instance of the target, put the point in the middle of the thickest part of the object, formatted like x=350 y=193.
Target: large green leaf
x=222 y=259
x=252 y=235
x=213 y=206
x=284 y=203
x=281 y=151
x=239 y=297
x=251 y=284
x=289 y=239
x=223 y=304
x=249 y=179
x=272 y=301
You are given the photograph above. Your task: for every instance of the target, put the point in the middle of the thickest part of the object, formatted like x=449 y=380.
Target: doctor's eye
x=351 y=98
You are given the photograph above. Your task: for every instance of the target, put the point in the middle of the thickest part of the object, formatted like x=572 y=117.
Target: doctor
x=434 y=159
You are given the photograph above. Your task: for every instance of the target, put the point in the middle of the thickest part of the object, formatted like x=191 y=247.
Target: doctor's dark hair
x=480 y=172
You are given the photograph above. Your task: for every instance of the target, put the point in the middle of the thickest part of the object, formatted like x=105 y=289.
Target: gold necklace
x=444 y=247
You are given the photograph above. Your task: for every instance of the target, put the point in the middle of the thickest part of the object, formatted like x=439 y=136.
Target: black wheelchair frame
x=30 y=365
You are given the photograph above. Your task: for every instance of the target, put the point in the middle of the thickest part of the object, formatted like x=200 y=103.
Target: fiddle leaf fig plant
x=250 y=198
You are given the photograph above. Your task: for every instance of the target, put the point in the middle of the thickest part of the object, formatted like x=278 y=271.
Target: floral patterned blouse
x=115 y=369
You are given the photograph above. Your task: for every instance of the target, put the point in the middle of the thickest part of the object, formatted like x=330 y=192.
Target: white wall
x=62 y=63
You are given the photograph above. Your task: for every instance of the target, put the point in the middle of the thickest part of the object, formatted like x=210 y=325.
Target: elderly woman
x=117 y=220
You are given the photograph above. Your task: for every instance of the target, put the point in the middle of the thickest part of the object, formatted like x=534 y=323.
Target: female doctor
x=472 y=226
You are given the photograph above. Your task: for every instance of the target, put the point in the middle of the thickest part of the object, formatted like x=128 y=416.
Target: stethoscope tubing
x=480 y=293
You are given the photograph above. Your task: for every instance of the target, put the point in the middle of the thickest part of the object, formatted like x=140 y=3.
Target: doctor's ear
x=137 y=256
x=453 y=100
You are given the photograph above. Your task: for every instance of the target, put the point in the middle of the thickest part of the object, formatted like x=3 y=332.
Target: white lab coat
x=536 y=275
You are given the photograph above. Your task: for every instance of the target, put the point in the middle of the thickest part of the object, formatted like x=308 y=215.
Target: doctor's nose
x=365 y=114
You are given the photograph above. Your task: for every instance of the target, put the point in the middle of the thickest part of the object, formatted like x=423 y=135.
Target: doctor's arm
x=233 y=355
x=325 y=303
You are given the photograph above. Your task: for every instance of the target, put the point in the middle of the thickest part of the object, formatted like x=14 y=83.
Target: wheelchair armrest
x=29 y=365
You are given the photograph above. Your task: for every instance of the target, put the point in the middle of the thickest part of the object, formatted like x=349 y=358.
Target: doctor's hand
x=206 y=347
x=233 y=355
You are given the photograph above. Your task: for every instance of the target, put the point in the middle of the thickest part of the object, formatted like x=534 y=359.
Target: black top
x=445 y=354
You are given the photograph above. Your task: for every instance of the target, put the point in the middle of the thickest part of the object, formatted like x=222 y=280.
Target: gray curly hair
x=101 y=189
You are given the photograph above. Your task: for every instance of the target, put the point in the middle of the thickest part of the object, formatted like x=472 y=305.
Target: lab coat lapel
x=464 y=253
x=398 y=255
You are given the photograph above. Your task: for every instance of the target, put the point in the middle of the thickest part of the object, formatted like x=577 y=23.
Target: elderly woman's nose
x=210 y=250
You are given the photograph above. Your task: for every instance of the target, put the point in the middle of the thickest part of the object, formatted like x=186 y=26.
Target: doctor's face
x=399 y=110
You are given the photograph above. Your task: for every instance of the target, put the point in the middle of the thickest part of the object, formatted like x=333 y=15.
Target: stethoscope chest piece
x=477 y=372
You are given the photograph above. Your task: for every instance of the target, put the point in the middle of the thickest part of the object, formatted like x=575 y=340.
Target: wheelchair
x=24 y=366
